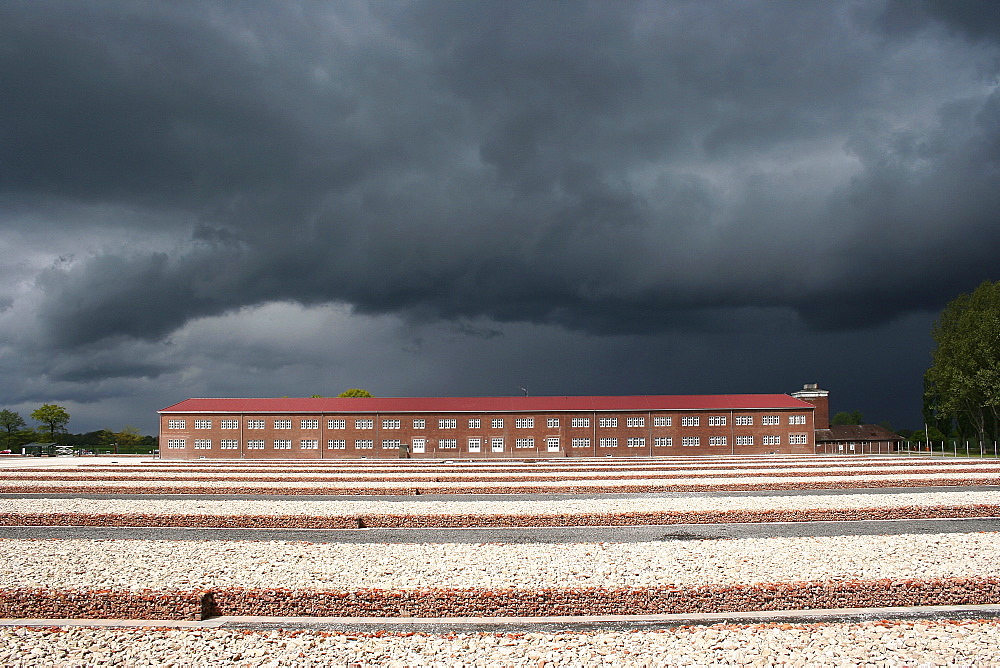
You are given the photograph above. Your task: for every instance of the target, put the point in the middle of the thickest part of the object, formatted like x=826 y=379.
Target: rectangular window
x=692 y=421
x=581 y=442
x=717 y=440
x=552 y=423
x=389 y=423
x=202 y=424
x=663 y=421
x=336 y=444
x=309 y=444
x=336 y=424
x=497 y=423
x=662 y=442
x=282 y=444
x=364 y=444
x=744 y=420
x=176 y=424
x=524 y=443
x=176 y=443
x=636 y=422
x=796 y=419
x=447 y=423
x=420 y=423
x=391 y=444
x=282 y=424
x=202 y=444
x=229 y=444
x=770 y=420
x=580 y=422
x=255 y=424
x=608 y=422
x=690 y=442
x=229 y=424
x=364 y=423
x=797 y=439
x=524 y=423
x=308 y=424
x=255 y=445
x=475 y=444
x=609 y=442
x=636 y=443
x=496 y=445
x=744 y=440
x=474 y=423
x=447 y=443
x=716 y=420
x=771 y=440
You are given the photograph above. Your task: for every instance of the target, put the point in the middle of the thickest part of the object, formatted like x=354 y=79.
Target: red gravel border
x=569 y=488
x=431 y=602
x=463 y=521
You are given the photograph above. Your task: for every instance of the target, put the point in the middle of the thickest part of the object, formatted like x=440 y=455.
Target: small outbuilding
x=857 y=439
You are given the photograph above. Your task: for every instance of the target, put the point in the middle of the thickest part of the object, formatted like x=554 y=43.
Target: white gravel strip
x=604 y=484
x=832 y=644
x=577 y=506
x=135 y=565
x=493 y=475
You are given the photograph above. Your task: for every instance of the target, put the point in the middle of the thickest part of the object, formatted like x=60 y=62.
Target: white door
x=497 y=445
x=418 y=445
x=474 y=445
x=552 y=444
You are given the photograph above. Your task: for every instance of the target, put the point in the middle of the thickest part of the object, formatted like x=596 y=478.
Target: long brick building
x=490 y=427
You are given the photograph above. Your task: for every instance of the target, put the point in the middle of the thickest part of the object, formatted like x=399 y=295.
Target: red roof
x=490 y=404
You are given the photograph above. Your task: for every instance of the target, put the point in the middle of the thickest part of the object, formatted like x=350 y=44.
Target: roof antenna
x=525 y=390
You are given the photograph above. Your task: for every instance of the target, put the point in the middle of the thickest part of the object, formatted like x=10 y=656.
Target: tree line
x=52 y=420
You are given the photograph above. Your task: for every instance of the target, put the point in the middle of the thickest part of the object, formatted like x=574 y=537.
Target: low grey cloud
x=612 y=169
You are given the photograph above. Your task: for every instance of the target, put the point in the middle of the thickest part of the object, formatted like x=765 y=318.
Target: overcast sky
x=467 y=198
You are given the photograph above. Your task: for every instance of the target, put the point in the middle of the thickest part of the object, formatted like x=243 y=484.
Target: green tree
x=11 y=423
x=127 y=439
x=963 y=381
x=54 y=418
x=854 y=417
x=355 y=392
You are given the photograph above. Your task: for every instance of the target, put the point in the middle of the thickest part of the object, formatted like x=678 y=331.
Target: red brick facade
x=507 y=428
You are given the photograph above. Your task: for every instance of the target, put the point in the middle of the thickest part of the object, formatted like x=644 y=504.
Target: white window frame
x=663 y=421
x=608 y=442
x=391 y=443
x=663 y=442
x=580 y=422
x=796 y=419
x=282 y=424
x=580 y=443
x=364 y=444
x=229 y=424
x=309 y=444
x=770 y=439
x=691 y=421
x=552 y=423
x=282 y=444
x=716 y=420
x=255 y=444
x=716 y=441
x=524 y=443
x=336 y=444
x=364 y=423
x=176 y=443
x=255 y=423
x=636 y=442
x=176 y=424
x=607 y=422
x=336 y=423
x=691 y=442
x=308 y=424
x=635 y=422
x=474 y=423
x=202 y=444
x=524 y=423
x=744 y=420
x=420 y=423
x=744 y=440
x=391 y=423
x=202 y=424
x=447 y=443
x=496 y=423
x=229 y=444
x=770 y=420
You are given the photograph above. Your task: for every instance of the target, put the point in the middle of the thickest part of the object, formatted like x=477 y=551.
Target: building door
x=496 y=445
x=418 y=446
x=552 y=444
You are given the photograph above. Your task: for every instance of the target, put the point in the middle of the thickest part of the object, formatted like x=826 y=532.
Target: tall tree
x=10 y=422
x=963 y=381
x=843 y=417
x=53 y=417
x=355 y=392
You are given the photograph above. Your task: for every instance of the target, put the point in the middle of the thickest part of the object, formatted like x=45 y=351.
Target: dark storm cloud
x=609 y=167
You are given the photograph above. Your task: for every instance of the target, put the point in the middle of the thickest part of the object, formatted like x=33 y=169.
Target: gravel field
x=332 y=508
x=135 y=565
x=877 y=643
